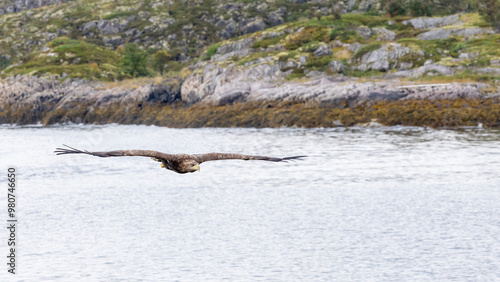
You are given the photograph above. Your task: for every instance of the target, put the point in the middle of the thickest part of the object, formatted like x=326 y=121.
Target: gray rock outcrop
x=33 y=91
x=336 y=66
x=423 y=70
x=444 y=33
x=386 y=57
x=254 y=26
x=364 y=31
x=489 y=70
x=9 y=6
x=427 y=23
x=383 y=34
x=107 y=27
x=261 y=83
x=322 y=50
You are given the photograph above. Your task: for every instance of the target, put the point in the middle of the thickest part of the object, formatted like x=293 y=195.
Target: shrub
x=318 y=62
x=211 y=50
x=159 y=60
x=309 y=34
x=368 y=20
x=342 y=31
x=395 y=8
x=417 y=9
x=135 y=61
x=4 y=62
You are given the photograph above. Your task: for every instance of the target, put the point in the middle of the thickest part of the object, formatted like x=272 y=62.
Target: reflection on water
x=378 y=203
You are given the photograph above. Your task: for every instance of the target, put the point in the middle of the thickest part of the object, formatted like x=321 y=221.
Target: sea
x=368 y=203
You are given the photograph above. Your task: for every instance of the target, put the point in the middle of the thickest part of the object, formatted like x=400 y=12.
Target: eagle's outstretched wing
x=117 y=153
x=225 y=156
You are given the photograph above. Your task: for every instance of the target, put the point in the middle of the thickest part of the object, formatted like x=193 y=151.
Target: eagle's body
x=180 y=163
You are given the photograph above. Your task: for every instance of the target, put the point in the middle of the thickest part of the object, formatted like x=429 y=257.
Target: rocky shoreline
x=220 y=101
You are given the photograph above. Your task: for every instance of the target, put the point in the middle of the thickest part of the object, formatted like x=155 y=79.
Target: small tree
x=160 y=59
x=134 y=61
x=419 y=8
x=394 y=8
x=490 y=10
x=4 y=62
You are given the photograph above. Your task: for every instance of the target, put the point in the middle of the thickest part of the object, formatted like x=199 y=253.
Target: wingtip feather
x=294 y=158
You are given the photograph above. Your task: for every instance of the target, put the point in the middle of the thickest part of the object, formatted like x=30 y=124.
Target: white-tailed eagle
x=180 y=163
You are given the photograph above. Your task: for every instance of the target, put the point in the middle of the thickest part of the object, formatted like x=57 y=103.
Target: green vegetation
x=71 y=57
x=116 y=40
x=266 y=42
x=119 y=15
x=395 y=8
x=160 y=60
x=211 y=50
x=419 y=8
x=319 y=63
x=4 y=62
x=168 y=37
x=76 y=58
x=366 y=20
x=307 y=35
x=134 y=61
x=343 y=31
x=297 y=73
x=490 y=10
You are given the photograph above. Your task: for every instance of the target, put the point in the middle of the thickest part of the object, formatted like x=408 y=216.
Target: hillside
x=180 y=28
x=186 y=64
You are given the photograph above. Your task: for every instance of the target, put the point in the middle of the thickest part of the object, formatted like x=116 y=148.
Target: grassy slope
x=180 y=27
x=24 y=35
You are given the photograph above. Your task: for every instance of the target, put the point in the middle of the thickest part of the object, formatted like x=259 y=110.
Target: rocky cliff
x=266 y=83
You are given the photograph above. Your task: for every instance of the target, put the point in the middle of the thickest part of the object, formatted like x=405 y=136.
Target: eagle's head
x=188 y=166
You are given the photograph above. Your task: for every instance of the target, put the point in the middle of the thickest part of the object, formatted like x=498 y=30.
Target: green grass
x=266 y=42
x=120 y=14
x=307 y=35
x=343 y=31
x=363 y=19
x=318 y=63
x=434 y=49
x=73 y=57
x=296 y=74
x=211 y=50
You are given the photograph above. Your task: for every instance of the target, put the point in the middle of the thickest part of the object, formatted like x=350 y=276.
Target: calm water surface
x=369 y=203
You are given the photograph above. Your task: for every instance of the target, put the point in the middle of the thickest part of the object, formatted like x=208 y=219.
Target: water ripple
x=369 y=203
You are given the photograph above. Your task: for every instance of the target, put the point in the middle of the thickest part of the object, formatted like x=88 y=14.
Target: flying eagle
x=180 y=163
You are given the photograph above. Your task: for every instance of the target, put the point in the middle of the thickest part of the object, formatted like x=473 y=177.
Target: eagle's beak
x=162 y=166
x=197 y=167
